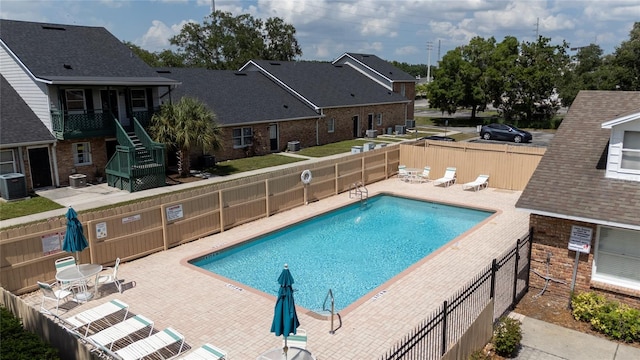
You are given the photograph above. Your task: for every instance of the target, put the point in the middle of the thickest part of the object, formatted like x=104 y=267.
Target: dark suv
x=505 y=132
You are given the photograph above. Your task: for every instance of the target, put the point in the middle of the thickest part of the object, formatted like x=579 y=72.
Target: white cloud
x=407 y=50
x=157 y=36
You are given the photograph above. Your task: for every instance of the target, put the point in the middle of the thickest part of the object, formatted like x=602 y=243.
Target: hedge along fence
x=131 y=231
x=508 y=166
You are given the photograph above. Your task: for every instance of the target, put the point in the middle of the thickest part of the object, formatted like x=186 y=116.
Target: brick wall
x=64 y=154
x=409 y=93
x=551 y=240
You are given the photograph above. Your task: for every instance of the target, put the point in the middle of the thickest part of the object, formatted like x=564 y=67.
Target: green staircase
x=139 y=162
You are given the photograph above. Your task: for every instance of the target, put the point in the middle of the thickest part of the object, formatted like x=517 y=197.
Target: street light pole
x=429 y=48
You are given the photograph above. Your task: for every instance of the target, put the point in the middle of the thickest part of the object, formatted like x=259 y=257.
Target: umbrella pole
x=286 y=348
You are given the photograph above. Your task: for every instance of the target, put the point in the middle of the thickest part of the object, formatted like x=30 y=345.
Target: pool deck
x=207 y=309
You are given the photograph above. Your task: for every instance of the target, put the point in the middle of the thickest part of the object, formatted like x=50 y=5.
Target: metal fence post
x=494 y=268
x=515 y=275
x=529 y=260
x=444 y=328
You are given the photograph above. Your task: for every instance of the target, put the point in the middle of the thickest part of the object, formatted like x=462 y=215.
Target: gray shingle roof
x=383 y=67
x=570 y=179
x=77 y=53
x=327 y=85
x=238 y=98
x=18 y=123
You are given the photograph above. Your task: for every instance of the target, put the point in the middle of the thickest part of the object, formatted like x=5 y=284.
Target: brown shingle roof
x=570 y=180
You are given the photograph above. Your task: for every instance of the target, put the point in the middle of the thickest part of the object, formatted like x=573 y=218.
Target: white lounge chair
x=424 y=176
x=111 y=278
x=299 y=340
x=402 y=173
x=480 y=183
x=50 y=293
x=448 y=179
x=152 y=344
x=62 y=264
x=87 y=317
x=109 y=336
x=206 y=352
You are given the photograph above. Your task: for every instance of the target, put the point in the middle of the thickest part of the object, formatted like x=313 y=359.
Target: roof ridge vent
x=49 y=27
x=274 y=63
x=240 y=73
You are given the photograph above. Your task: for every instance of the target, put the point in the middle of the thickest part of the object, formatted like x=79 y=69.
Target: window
x=7 y=162
x=617 y=260
x=631 y=151
x=379 y=121
x=331 y=124
x=75 y=100
x=242 y=137
x=139 y=99
x=403 y=89
x=81 y=153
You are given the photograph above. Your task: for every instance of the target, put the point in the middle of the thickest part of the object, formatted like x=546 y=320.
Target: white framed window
x=7 y=161
x=139 y=99
x=617 y=257
x=242 y=137
x=403 y=89
x=81 y=153
x=75 y=100
x=379 y=119
x=331 y=125
x=631 y=151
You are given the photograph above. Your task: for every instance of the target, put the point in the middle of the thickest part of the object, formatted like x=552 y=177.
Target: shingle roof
x=328 y=85
x=18 y=123
x=238 y=98
x=74 y=53
x=385 y=68
x=570 y=180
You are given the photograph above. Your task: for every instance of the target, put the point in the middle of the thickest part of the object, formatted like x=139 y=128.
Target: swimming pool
x=350 y=250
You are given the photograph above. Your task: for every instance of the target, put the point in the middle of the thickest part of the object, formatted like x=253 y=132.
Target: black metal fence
x=505 y=280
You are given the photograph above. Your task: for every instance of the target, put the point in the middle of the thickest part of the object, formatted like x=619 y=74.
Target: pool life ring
x=306 y=177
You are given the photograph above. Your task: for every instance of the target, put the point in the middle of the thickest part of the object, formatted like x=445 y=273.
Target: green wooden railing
x=82 y=125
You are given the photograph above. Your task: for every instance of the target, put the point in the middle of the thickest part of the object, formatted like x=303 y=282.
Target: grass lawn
x=229 y=167
x=338 y=147
x=34 y=205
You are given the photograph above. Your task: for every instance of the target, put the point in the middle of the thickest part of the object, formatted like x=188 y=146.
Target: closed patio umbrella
x=74 y=240
x=285 y=319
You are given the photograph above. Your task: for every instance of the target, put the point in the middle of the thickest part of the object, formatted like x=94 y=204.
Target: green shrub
x=479 y=355
x=19 y=344
x=507 y=336
x=586 y=305
x=619 y=322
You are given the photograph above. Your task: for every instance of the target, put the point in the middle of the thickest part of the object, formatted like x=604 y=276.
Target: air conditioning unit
x=356 y=149
x=13 y=186
x=293 y=145
x=368 y=146
x=372 y=134
x=78 y=180
x=410 y=124
x=401 y=129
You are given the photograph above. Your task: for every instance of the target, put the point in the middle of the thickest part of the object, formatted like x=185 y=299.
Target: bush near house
x=507 y=336
x=19 y=344
x=617 y=321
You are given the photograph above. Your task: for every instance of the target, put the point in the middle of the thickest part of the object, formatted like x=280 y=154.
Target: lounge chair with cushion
x=109 y=336
x=51 y=293
x=88 y=317
x=480 y=183
x=152 y=344
x=206 y=352
x=424 y=176
x=299 y=340
x=402 y=173
x=449 y=178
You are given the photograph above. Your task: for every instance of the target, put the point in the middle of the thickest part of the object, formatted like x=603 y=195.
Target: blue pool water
x=351 y=250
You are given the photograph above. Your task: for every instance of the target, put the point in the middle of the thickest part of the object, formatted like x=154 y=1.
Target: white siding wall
x=32 y=92
x=615 y=151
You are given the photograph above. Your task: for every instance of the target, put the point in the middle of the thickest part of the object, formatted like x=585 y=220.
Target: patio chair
x=206 y=352
x=109 y=336
x=479 y=183
x=424 y=176
x=88 y=317
x=402 y=173
x=299 y=340
x=111 y=278
x=448 y=179
x=65 y=263
x=152 y=344
x=49 y=293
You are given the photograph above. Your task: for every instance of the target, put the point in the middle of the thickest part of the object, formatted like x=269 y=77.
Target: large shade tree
x=185 y=126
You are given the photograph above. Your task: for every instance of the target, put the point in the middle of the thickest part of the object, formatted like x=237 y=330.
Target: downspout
x=317 y=132
x=56 y=174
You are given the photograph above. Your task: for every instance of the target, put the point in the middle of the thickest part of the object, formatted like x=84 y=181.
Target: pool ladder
x=332 y=310
x=358 y=189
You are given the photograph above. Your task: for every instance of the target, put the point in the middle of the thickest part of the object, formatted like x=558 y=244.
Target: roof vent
x=240 y=74
x=274 y=63
x=353 y=95
x=163 y=71
x=338 y=65
x=67 y=66
x=48 y=27
x=285 y=106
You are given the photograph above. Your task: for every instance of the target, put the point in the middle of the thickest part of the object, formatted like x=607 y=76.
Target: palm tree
x=186 y=125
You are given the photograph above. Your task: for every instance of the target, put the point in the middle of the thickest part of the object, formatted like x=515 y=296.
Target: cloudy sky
x=401 y=30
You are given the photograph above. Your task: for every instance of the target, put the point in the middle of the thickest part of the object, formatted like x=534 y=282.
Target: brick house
x=586 y=191
x=93 y=96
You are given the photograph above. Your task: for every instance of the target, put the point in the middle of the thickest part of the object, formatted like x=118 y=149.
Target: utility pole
x=213 y=6
x=537 y=28
x=429 y=48
x=439 y=45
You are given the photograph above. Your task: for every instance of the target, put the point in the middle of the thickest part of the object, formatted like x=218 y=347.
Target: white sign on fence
x=580 y=239
x=101 y=230
x=174 y=212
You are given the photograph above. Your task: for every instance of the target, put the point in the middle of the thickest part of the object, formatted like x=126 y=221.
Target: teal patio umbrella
x=74 y=240
x=285 y=319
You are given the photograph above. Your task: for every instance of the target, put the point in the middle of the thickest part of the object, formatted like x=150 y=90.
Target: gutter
x=583 y=219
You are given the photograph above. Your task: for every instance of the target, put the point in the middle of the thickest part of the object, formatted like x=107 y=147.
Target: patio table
x=78 y=275
x=412 y=174
x=293 y=353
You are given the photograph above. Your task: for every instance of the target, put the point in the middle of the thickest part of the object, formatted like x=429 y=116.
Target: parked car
x=505 y=132
x=437 y=137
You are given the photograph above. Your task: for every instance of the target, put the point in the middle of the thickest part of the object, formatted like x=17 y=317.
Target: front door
x=356 y=127
x=273 y=137
x=370 y=122
x=109 y=101
x=40 y=167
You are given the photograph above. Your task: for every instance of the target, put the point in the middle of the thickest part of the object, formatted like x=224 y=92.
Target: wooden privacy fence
x=131 y=231
x=508 y=166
